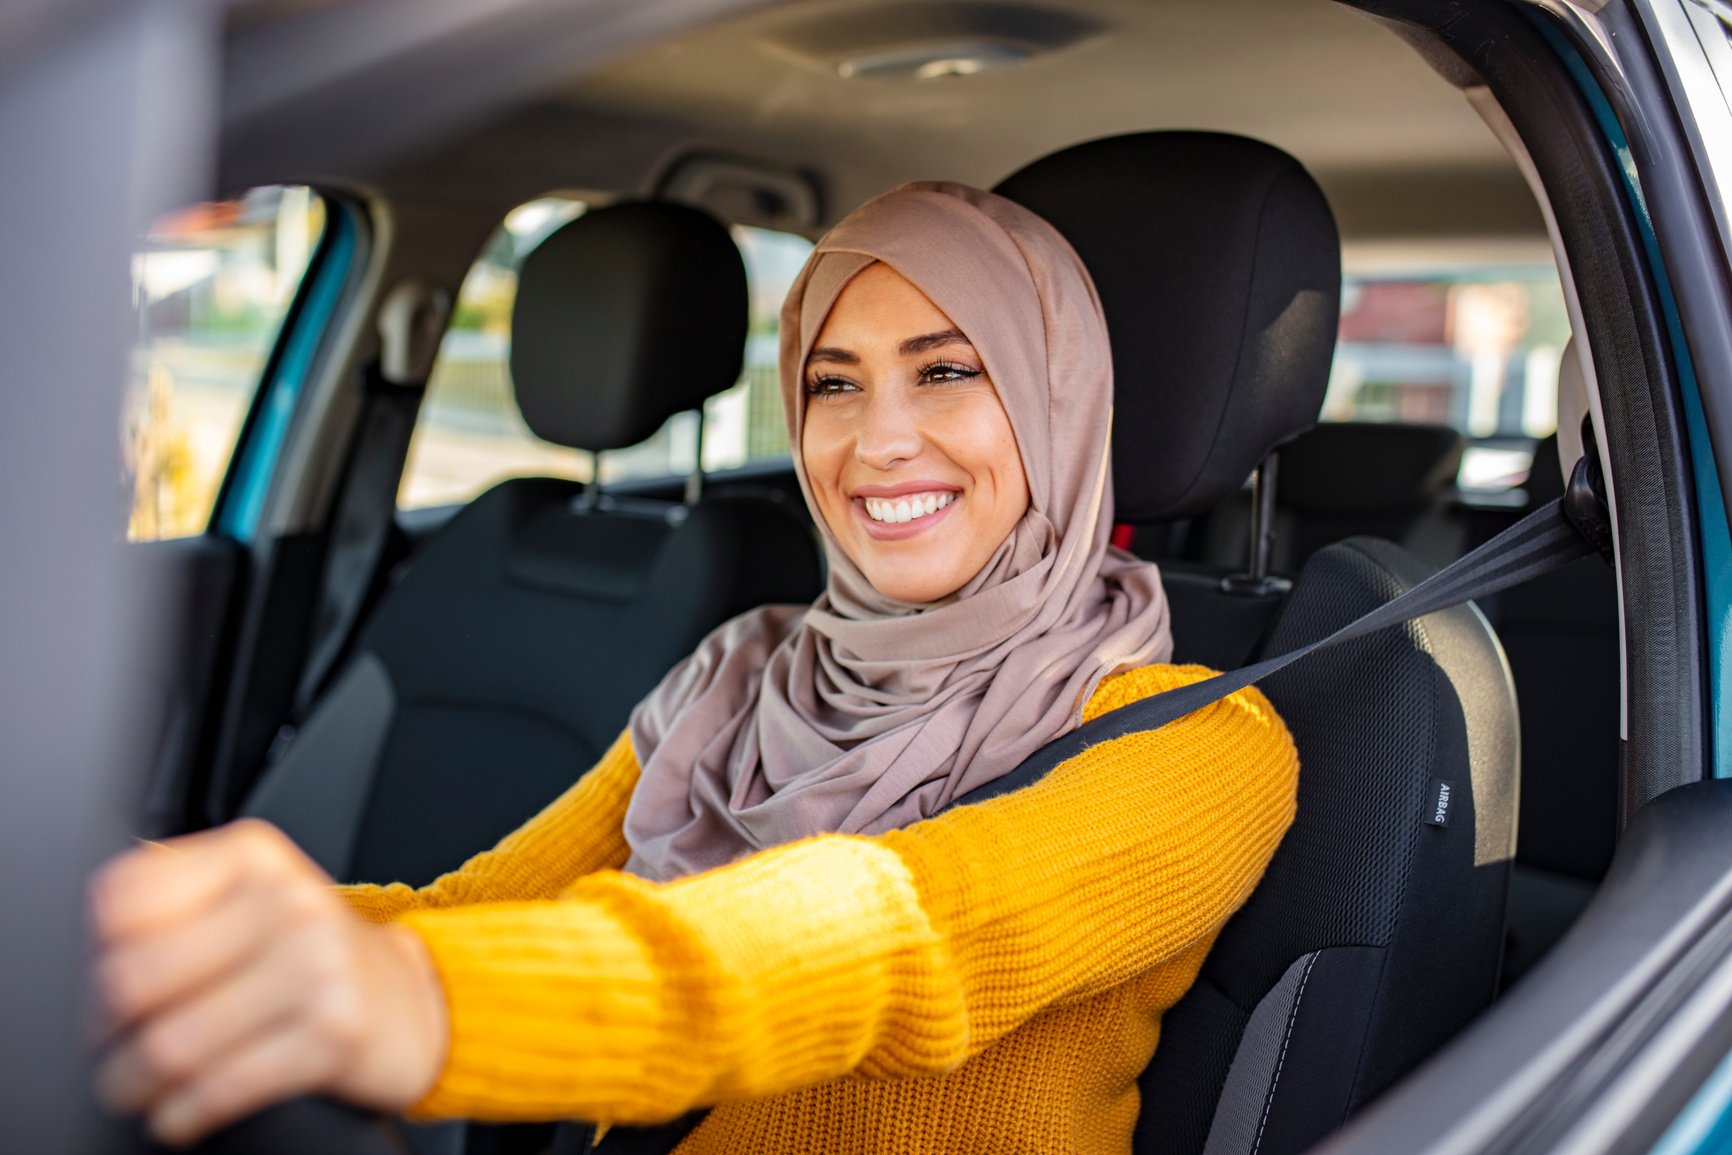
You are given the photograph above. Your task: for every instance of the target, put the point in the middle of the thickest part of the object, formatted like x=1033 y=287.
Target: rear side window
x=212 y=285
x=469 y=435
x=1478 y=349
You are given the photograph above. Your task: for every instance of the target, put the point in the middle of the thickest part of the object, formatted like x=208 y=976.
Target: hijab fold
x=860 y=713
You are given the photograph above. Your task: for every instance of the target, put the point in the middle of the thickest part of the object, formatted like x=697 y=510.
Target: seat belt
x=411 y=322
x=360 y=524
x=1556 y=534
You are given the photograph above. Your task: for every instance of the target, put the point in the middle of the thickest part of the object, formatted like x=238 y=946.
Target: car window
x=1477 y=349
x=211 y=287
x=470 y=436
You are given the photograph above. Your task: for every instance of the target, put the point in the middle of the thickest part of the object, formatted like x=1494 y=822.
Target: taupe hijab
x=861 y=714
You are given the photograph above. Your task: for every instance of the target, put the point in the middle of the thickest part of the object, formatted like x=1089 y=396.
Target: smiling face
x=907 y=448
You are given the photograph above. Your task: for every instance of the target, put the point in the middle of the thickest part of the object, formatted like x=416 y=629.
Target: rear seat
x=1344 y=479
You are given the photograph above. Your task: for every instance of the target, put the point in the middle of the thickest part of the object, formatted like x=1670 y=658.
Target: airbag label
x=1438 y=795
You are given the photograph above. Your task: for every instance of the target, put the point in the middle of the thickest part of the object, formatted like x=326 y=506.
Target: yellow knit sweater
x=989 y=980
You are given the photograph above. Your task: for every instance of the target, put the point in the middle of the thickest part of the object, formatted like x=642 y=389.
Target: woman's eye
x=828 y=386
x=945 y=372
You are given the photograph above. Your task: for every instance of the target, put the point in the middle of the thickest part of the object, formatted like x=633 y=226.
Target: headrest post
x=695 y=479
x=1258 y=581
x=1263 y=516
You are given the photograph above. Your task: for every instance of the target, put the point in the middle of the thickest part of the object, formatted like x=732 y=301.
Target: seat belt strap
x=361 y=524
x=1552 y=536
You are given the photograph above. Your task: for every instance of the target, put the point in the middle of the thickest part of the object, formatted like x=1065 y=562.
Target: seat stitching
x=1292 y=1017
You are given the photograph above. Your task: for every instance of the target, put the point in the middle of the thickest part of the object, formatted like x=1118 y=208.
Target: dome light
x=935 y=61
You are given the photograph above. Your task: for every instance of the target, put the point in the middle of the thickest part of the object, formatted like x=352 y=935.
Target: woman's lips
x=899 y=530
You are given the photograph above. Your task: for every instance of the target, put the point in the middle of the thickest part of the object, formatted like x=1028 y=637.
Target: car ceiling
x=1408 y=165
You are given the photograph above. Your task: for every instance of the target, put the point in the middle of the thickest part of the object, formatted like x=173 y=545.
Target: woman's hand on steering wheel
x=231 y=975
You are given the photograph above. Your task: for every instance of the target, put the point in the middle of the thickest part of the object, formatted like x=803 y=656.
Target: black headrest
x=1219 y=267
x=1349 y=467
x=625 y=317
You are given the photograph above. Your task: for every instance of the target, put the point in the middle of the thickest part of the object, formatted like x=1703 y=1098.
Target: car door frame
x=221 y=576
x=1604 y=1044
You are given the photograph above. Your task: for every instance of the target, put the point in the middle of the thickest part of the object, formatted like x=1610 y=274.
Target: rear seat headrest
x=625 y=317
x=1219 y=269
x=1346 y=468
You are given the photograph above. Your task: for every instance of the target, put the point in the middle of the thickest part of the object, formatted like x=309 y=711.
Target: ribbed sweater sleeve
x=903 y=954
x=578 y=833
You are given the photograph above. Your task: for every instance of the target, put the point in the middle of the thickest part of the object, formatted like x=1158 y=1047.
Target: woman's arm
x=231 y=972
x=578 y=833
x=897 y=955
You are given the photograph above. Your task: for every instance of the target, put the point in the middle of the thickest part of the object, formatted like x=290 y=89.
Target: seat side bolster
x=318 y=792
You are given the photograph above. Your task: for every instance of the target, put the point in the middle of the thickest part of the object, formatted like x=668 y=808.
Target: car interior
x=398 y=681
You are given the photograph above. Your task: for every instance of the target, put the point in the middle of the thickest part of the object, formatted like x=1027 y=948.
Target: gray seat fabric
x=321 y=795
x=1248 y=1096
x=508 y=657
x=1375 y=934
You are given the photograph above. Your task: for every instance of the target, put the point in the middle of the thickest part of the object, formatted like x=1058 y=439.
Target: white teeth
x=897 y=510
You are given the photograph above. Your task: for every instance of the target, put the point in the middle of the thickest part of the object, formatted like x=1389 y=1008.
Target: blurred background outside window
x=469 y=435
x=211 y=286
x=1477 y=349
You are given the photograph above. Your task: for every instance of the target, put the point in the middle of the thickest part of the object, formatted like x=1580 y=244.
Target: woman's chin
x=911 y=584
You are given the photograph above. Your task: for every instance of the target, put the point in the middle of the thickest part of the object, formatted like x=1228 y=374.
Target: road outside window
x=211 y=287
x=470 y=436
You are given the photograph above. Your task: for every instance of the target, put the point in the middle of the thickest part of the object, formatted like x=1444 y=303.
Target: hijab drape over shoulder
x=861 y=714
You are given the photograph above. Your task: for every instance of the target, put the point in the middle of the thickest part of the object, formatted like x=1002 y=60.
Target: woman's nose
x=888 y=434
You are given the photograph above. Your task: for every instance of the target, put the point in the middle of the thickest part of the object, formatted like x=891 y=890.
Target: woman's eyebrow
x=907 y=348
x=932 y=341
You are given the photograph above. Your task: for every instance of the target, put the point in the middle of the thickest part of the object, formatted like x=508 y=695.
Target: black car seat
x=1375 y=934
x=508 y=657
x=1321 y=495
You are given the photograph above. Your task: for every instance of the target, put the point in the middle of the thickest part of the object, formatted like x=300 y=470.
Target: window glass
x=470 y=435
x=211 y=286
x=1478 y=350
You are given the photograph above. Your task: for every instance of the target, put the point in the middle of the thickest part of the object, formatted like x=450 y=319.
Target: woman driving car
x=761 y=900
